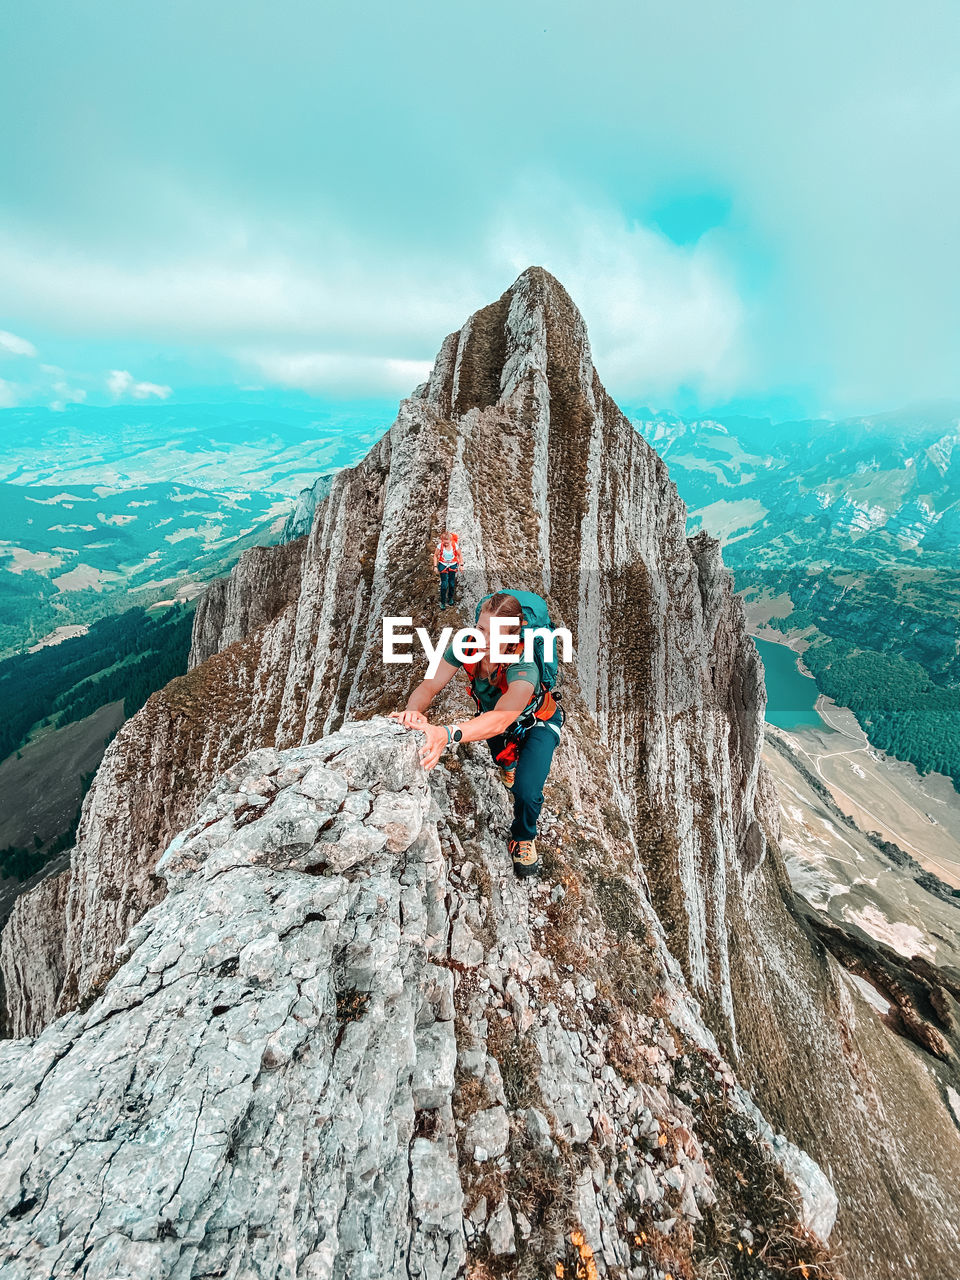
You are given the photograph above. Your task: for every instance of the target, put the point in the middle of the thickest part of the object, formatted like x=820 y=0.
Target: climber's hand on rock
x=410 y=719
x=432 y=749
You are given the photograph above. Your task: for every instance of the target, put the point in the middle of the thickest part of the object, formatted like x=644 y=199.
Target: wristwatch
x=453 y=735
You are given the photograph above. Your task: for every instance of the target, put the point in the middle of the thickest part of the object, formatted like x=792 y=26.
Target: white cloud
x=16 y=346
x=65 y=394
x=119 y=382
x=239 y=218
x=122 y=383
x=46 y=383
x=659 y=315
x=357 y=319
x=247 y=293
x=323 y=371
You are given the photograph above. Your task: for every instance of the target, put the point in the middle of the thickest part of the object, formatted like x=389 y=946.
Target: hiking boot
x=525 y=860
x=507 y=776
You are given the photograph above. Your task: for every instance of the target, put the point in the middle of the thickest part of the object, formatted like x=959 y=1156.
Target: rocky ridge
x=308 y=1052
x=665 y=888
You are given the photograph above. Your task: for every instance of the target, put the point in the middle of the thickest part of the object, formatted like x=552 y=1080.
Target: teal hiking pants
x=534 y=758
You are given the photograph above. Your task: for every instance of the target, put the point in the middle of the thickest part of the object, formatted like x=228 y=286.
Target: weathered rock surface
x=300 y=519
x=290 y=1074
x=34 y=941
x=257 y=590
x=665 y=893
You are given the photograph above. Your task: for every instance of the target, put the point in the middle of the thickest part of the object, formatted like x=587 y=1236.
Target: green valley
x=844 y=535
x=106 y=508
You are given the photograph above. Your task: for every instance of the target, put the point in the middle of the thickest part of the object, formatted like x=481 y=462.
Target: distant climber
x=447 y=562
x=517 y=714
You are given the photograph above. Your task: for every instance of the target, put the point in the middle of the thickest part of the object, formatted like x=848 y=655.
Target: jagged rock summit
x=337 y=1039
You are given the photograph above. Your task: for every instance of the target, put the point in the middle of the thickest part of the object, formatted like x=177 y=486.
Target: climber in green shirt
x=517 y=716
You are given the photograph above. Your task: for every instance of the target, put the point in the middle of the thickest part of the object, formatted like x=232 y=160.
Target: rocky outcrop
x=261 y=585
x=300 y=519
x=153 y=774
x=32 y=953
x=669 y=821
x=333 y=1051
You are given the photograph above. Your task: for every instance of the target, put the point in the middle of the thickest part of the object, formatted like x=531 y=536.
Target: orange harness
x=457 y=557
x=546 y=703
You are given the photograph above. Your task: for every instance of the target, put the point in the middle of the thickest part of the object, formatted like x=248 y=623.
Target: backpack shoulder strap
x=499 y=675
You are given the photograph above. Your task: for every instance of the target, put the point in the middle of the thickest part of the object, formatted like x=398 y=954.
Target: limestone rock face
x=32 y=948
x=291 y=1073
x=254 y=593
x=665 y=893
x=300 y=519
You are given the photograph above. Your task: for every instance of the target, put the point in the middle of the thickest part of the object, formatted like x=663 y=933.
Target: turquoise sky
x=754 y=204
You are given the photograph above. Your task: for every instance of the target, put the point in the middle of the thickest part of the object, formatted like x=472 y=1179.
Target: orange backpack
x=457 y=557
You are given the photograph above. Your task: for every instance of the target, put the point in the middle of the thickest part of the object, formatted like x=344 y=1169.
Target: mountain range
x=884 y=485
x=287 y=1011
x=844 y=535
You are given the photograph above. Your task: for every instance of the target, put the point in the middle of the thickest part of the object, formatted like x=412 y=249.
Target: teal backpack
x=535 y=614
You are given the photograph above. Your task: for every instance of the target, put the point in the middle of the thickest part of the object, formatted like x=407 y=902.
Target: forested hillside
x=900 y=708
x=121 y=660
x=122 y=657
x=98 y=502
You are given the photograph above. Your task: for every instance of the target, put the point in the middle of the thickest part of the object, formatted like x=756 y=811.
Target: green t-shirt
x=489 y=694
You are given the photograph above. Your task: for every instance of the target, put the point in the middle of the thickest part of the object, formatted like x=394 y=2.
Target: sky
x=754 y=205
